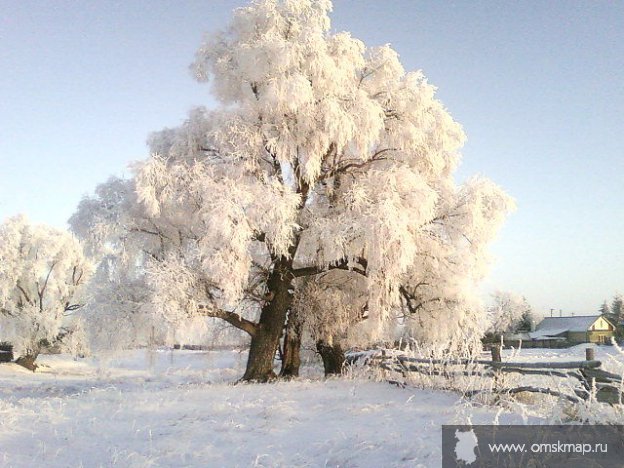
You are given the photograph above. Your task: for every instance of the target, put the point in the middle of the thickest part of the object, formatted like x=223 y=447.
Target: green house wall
x=602 y=336
x=578 y=337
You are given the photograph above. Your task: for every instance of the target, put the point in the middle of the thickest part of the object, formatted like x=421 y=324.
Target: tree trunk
x=332 y=355
x=265 y=340
x=28 y=361
x=291 y=359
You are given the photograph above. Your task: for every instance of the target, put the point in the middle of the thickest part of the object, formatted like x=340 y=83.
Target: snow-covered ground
x=180 y=408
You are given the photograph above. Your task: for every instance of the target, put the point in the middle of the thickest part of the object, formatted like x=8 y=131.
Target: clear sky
x=538 y=87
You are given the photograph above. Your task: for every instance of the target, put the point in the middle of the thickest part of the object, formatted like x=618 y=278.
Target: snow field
x=181 y=409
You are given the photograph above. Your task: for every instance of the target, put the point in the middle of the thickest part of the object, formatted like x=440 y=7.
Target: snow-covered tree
x=508 y=312
x=115 y=317
x=116 y=228
x=73 y=339
x=617 y=306
x=439 y=294
x=325 y=155
x=42 y=274
x=108 y=223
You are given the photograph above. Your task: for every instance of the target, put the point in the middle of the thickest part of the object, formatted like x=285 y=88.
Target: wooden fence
x=590 y=379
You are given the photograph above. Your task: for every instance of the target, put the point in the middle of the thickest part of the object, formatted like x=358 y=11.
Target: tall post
x=589 y=354
x=496 y=357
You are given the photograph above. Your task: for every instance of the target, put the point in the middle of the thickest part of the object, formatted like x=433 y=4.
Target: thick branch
x=357 y=164
x=76 y=280
x=231 y=318
x=19 y=286
x=410 y=299
x=72 y=307
x=41 y=292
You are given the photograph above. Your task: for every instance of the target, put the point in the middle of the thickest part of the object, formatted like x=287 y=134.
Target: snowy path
x=167 y=414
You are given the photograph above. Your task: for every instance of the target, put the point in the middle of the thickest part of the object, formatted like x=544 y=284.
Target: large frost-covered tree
x=325 y=155
x=42 y=274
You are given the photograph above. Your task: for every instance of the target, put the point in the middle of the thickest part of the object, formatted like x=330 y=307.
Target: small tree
x=508 y=313
x=73 y=339
x=527 y=321
x=604 y=308
x=617 y=307
x=42 y=274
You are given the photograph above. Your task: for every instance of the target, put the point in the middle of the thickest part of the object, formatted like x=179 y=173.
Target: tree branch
x=41 y=292
x=147 y=231
x=342 y=265
x=410 y=299
x=356 y=164
x=230 y=317
x=19 y=286
x=6 y=312
x=71 y=308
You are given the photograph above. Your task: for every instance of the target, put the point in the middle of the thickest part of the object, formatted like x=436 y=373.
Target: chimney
x=560 y=313
x=532 y=325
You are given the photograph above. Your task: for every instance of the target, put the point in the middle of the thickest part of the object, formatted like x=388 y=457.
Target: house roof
x=553 y=326
x=528 y=336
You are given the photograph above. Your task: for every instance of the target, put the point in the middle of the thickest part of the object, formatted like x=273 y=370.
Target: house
x=575 y=329
x=561 y=332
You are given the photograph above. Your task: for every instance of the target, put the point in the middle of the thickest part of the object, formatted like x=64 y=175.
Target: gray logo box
x=569 y=446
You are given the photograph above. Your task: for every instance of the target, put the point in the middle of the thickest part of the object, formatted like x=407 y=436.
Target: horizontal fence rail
x=606 y=386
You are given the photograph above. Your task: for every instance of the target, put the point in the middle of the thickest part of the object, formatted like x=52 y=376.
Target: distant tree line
x=615 y=312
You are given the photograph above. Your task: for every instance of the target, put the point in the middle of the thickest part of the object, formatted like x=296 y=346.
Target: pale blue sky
x=537 y=86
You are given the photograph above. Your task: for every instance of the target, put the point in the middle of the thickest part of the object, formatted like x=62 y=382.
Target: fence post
x=589 y=354
x=496 y=354
x=496 y=357
x=384 y=374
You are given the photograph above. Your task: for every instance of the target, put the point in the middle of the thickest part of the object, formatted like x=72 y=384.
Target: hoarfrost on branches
x=507 y=312
x=43 y=272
